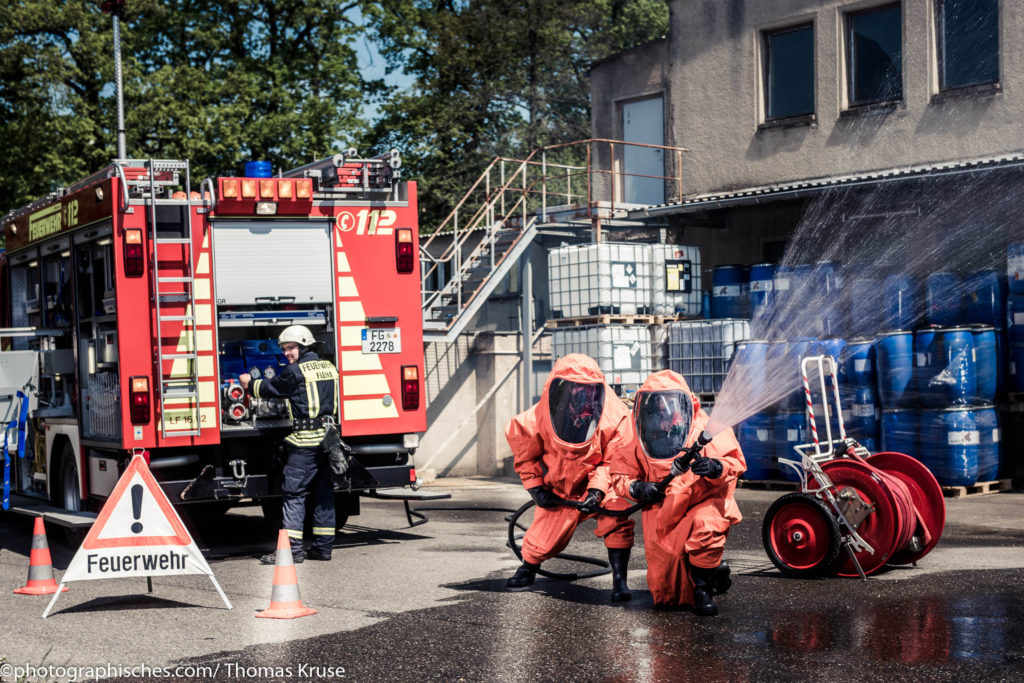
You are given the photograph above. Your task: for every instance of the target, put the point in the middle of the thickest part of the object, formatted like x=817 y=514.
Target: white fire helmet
x=297 y=334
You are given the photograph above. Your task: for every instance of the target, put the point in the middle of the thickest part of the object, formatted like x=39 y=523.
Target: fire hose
x=680 y=465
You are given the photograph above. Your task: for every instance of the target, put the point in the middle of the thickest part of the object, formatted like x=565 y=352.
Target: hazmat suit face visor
x=575 y=409
x=663 y=422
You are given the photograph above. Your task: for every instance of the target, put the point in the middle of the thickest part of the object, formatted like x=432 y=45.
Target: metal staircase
x=507 y=206
x=173 y=285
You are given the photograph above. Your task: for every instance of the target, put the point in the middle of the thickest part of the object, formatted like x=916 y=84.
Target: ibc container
x=623 y=352
x=701 y=350
x=595 y=279
x=675 y=280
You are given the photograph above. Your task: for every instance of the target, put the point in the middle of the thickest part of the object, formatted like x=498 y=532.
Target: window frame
x=766 y=75
x=940 y=41
x=848 y=34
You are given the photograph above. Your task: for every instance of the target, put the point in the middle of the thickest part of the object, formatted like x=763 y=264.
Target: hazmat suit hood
x=569 y=469
x=573 y=400
x=661 y=437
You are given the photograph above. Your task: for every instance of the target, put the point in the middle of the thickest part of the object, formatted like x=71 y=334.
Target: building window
x=789 y=72
x=874 y=40
x=968 y=42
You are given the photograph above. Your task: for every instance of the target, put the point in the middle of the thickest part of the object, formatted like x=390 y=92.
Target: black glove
x=592 y=502
x=645 y=492
x=707 y=467
x=542 y=497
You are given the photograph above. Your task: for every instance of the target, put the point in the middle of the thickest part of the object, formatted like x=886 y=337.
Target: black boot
x=618 y=558
x=703 y=587
x=523 y=578
x=723 y=582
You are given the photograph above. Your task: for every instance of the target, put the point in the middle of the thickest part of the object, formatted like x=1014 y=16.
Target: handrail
x=493 y=210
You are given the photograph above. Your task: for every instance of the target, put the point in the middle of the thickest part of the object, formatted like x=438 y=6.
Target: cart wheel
x=926 y=494
x=881 y=528
x=800 y=535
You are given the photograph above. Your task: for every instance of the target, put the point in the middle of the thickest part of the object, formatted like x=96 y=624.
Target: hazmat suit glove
x=646 y=492
x=542 y=497
x=707 y=467
x=592 y=502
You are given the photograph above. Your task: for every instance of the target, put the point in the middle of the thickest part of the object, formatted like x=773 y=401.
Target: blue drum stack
x=938 y=383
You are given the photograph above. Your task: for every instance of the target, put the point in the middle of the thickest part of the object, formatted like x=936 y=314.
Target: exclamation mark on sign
x=137 y=508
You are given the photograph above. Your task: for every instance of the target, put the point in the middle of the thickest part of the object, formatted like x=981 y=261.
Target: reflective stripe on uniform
x=306 y=437
x=323 y=531
x=294 y=534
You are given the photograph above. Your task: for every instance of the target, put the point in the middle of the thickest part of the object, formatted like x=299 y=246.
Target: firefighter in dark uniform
x=311 y=386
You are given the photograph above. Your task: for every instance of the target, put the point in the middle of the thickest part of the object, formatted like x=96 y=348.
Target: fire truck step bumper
x=24 y=505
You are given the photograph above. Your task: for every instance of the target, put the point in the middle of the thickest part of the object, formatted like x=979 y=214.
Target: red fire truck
x=131 y=304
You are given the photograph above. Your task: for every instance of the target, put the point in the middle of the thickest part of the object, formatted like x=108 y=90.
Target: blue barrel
x=1002 y=362
x=864 y=422
x=924 y=351
x=985 y=299
x=750 y=368
x=1015 y=318
x=948 y=444
x=729 y=297
x=1015 y=267
x=894 y=353
x=831 y=347
x=1015 y=378
x=757 y=441
x=858 y=368
x=952 y=378
x=789 y=295
x=989 y=454
x=760 y=287
x=795 y=350
x=943 y=298
x=899 y=431
x=705 y=305
x=826 y=284
x=899 y=302
x=870 y=444
x=863 y=302
x=258 y=169
x=790 y=429
x=986 y=364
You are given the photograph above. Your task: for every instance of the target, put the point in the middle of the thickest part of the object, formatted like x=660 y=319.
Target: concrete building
x=767 y=96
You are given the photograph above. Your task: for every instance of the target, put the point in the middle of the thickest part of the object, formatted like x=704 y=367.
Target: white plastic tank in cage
x=701 y=350
x=623 y=352
x=595 y=279
x=675 y=280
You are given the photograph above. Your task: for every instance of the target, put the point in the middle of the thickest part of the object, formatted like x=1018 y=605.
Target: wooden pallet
x=606 y=319
x=982 y=488
x=769 y=485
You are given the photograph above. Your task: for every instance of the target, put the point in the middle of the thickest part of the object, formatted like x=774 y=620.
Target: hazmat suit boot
x=618 y=558
x=703 y=587
x=524 y=577
x=723 y=581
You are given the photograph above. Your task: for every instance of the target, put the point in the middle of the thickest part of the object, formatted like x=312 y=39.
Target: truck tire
x=69 y=495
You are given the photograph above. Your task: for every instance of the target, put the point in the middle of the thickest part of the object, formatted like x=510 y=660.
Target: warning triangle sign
x=138 y=513
x=137 y=533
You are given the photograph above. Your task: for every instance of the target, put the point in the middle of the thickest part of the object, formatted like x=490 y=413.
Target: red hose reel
x=854 y=514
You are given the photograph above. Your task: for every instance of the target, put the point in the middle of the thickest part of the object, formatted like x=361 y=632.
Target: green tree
x=217 y=82
x=493 y=77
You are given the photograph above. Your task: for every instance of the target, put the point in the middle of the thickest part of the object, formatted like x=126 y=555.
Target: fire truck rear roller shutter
x=281 y=261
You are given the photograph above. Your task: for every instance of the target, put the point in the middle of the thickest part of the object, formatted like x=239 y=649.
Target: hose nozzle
x=682 y=463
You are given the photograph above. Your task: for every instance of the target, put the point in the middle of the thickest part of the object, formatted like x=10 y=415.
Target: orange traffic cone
x=40 y=567
x=285 y=602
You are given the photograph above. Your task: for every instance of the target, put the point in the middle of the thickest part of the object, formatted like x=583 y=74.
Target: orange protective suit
x=693 y=521
x=568 y=470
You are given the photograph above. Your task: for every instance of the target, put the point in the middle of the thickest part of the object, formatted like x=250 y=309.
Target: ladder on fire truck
x=173 y=286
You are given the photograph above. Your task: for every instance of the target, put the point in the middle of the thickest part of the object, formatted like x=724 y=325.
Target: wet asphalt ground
x=429 y=603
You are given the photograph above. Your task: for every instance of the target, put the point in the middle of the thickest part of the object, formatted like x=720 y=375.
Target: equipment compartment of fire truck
x=132 y=304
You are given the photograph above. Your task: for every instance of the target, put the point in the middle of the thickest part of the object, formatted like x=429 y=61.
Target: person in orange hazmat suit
x=686 y=525
x=561 y=448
